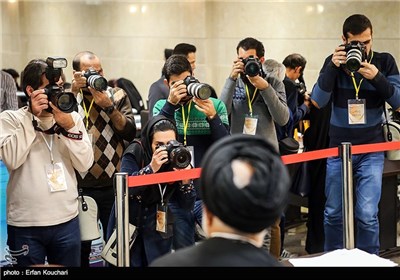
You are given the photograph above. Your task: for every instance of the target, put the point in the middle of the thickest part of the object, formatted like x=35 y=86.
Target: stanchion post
x=347 y=194
x=122 y=218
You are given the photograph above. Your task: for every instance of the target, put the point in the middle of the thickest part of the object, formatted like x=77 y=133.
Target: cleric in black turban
x=247 y=202
x=244 y=187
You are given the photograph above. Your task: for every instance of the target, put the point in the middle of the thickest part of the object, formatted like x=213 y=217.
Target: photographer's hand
x=177 y=91
x=237 y=68
x=339 y=56
x=369 y=71
x=160 y=156
x=78 y=82
x=38 y=102
x=101 y=98
x=63 y=119
x=258 y=82
x=206 y=106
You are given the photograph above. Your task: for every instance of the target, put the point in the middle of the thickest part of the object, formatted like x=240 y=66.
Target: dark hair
x=12 y=72
x=356 y=24
x=295 y=60
x=163 y=125
x=251 y=43
x=168 y=53
x=184 y=49
x=32 y=74
x=175 y=65
x=76 y=62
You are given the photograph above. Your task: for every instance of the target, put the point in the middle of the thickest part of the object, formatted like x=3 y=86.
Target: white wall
x=131 y=44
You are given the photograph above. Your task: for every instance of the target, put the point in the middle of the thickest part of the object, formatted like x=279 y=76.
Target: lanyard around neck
x=252 y=99
x=357 y=88
x=49 y=146
x=185 y=122
x=87 y=112
x=162 y=192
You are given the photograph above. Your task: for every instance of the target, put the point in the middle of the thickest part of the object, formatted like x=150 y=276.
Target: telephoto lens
x=96 y=81
x=355 y=54
x=197 y=89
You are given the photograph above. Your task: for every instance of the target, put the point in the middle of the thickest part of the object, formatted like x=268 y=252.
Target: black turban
x=257 y=205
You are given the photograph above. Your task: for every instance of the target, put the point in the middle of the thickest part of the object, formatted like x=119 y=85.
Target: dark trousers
x=104 y=197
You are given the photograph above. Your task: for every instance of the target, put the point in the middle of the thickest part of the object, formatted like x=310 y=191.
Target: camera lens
x=353 y=60
x=180 y=157
x=199 y=90
x=97 y=82
x=252 y=68
x=66 y=102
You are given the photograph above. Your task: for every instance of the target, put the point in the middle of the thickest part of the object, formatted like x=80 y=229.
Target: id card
x=56 y=177
x=161 y=222
x=356 y=108
x=250 y=125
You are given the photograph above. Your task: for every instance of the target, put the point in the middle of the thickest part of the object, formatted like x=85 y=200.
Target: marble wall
x=130 y=36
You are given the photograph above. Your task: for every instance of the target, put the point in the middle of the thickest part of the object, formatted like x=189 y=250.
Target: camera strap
x=56 y=129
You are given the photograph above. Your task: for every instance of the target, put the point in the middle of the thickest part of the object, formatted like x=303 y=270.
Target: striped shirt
x=8 y=92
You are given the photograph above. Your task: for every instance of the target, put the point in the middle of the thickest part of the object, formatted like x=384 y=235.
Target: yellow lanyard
x=87 y=111
x=185 y=122
x=357 y=88
x=252 y=99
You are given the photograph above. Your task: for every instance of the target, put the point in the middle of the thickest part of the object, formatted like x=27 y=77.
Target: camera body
x=178 y=155
x=252 y=66
x=65 y=101
x=95 y=80
x=301 y=87
x=197 y=89
x=355 y=54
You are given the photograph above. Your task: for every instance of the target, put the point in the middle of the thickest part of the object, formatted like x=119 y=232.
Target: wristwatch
x=109 y=109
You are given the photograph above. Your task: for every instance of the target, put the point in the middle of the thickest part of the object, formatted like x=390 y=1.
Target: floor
x=295 y=238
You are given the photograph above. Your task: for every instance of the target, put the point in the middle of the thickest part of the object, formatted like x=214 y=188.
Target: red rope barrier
x=185 y=174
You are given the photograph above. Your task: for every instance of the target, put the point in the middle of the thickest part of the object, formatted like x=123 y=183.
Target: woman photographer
x=148 y=209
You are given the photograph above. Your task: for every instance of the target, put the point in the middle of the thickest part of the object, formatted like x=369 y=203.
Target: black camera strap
x=56 y=129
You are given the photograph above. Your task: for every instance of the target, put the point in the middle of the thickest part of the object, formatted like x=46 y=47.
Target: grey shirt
x=269 y=106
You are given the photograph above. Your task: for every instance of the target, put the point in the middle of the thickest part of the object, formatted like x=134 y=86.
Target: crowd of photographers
x=77 y=139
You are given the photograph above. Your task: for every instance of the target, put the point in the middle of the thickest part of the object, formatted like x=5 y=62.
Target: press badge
x=161 y=222
x=250 y=125
x=356 y=108
x=56 y=177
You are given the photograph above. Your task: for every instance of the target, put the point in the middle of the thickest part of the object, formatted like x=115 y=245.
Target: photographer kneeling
x=155 y=152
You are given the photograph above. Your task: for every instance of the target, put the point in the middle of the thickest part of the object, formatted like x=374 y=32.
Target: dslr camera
x=301 y=87
x=197 y=89
x=95 y=80
x=356 y=54
x=252 y=66
x=178 y=155
x=65 y=101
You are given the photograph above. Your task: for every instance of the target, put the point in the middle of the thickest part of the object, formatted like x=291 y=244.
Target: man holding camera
x=41 y=145
x=254 y=102
x=200 y=119
x=358 y=97
x=109 y=121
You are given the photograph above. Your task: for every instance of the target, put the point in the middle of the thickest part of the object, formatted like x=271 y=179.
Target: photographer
x=200 y=123
x=147 y=156
x=41 y=145
x=109 y=120
x=358 y=98
x=254 y=102
x=297 y=97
